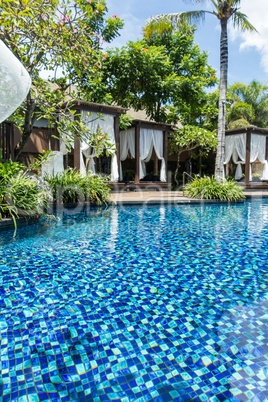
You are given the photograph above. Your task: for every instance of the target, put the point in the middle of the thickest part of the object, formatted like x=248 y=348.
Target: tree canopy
x=189 y=138
x=51 y=35
x=249 y=105
x=165 y=75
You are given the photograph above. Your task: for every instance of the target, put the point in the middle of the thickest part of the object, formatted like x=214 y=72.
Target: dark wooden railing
x=6 y=141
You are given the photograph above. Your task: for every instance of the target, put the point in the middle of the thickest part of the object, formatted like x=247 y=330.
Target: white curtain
x=93 y=122
x=258 y=150
x=15 y=82
x=235 y=147
x=149 y=140
x=54 y=165
x=127 y=144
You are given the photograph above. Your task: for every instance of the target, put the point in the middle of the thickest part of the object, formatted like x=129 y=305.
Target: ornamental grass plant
x=20 y=194
x=71 y=187
x=208 y=188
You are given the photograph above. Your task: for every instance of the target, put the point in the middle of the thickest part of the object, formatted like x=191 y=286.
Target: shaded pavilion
x=143 y=139
x=148 y=141
x=244 y=146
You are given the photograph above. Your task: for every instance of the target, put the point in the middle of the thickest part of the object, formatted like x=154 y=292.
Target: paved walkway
x=172 y=197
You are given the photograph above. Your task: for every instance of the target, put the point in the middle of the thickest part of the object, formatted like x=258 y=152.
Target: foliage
x=189 y=138
x=71 y=186
x=52 y=34
x=140 y=77
x=98 y=140
x=24 y=193
x=20 y=194
x=125 y=121
x=195 y=75
x=209 y=188
x=243 y=111
x=10 y=169
x=154 y=74
x=238 y=123
x=250 y=103
x=224 y=10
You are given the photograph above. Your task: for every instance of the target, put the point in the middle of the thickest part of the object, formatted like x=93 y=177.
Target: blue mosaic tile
x=156 y=303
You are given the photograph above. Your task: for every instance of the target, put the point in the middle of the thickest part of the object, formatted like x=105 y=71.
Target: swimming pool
x=155 y=303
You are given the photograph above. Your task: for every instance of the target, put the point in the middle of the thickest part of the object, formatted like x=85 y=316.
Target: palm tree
x=224 y=10
x=249 y=102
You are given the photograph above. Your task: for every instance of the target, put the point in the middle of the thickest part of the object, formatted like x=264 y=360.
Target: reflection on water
x=137 y=303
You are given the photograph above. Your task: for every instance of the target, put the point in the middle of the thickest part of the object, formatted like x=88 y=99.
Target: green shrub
x=25 y=195
x=20 y=194
x=209 y=188
x=9 y=169
x=71 y=186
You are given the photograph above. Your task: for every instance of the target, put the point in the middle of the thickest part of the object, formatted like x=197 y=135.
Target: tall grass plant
x=208 y=188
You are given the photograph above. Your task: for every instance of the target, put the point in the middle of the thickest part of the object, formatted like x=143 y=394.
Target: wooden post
x=117 y=140
x=165 y=150
x=247 y=165
x=137 y=154
x=55 y=142
x=12 y=146
x=76 y=149
x=266 y=153
x=155 y=165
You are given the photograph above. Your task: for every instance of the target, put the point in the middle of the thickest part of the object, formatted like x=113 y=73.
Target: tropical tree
x=55 y=35
x=249 y=105
x=164 y=75
x=224 y=10
x=189 y=138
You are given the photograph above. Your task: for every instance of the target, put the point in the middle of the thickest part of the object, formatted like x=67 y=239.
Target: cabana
x=145 y=140
x=94 y=116
x=109 y=123
x=245 y=146
x=140 y=141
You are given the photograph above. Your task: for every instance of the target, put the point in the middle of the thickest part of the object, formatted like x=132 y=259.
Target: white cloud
x=257 y=13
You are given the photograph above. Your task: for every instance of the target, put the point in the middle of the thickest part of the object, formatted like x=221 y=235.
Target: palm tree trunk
x=219 y=166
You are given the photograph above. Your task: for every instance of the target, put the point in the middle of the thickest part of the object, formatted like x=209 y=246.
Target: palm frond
x=240 y=20
x=194 y=16
x=234 y=3
x=159 y=25
x=166 y=22
x=175 y=18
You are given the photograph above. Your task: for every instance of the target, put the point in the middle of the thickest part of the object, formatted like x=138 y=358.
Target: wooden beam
x=151 y=125
x=165 y=150
x=77 y=149
x=137 y=154
x=117 y=140
x=247 y=162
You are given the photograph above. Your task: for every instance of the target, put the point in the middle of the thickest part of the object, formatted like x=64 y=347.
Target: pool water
x=156 y=303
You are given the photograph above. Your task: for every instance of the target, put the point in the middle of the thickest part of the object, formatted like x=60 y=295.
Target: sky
x=248 y=52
